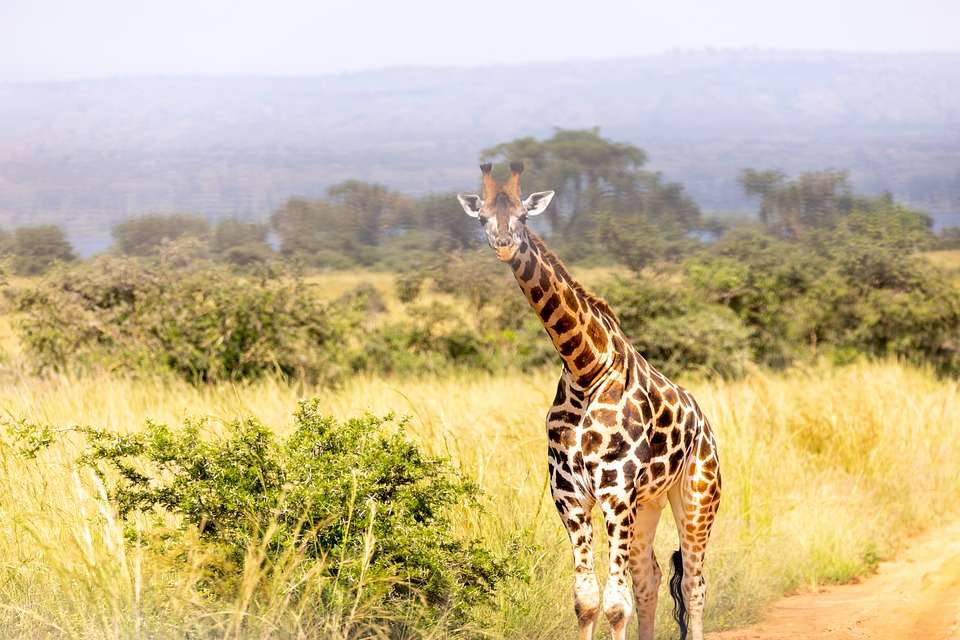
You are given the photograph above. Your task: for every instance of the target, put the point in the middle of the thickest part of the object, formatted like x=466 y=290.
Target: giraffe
x=620 y=434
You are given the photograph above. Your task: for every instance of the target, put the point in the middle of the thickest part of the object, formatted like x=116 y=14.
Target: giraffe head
x=501 y=212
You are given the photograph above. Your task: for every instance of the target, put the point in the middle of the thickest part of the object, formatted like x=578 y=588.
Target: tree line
x=820 y=272
x=609 y=206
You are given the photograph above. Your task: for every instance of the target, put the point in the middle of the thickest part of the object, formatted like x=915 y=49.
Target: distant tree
x=580 y=165
x=881 y=223
x=762 y=184
x=368 y=210
x=36 y=248
x=347 y=227
x=791 y=208
x=449 y=228
x=310 y=230
x=603 y=193
x=425 y=228
x=230 y=232
x=240 y=242
x=6 y=243
x=144 y=235
x=948 y=239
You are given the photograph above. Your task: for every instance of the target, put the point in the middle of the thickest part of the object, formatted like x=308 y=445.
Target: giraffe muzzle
x=506 y=253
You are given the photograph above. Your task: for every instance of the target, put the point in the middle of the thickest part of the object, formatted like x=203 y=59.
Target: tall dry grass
x=825 y=471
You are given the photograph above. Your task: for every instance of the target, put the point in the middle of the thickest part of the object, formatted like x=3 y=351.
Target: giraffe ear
x=536 y=203
x=470 y=203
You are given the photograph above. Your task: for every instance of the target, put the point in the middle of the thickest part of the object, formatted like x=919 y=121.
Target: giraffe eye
x=482 y=219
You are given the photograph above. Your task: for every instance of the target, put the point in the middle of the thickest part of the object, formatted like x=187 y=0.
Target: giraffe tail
x=679 y=608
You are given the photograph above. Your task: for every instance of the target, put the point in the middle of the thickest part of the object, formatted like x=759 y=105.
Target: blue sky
x=60 y=39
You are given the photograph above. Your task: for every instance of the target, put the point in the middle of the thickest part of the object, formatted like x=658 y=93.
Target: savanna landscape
x=366 y=320
x=330 y=423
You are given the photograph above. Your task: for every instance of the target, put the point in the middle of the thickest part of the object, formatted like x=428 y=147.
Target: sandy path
x=916 y=597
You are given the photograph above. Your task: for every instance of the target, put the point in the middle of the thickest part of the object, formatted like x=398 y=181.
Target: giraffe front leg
x=617 y=600
x=586 y=591
x=644 y=569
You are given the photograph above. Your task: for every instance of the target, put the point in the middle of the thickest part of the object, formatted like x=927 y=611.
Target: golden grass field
x=949 y=261
x=945 y=259
x=331 y=284
x=826 y=470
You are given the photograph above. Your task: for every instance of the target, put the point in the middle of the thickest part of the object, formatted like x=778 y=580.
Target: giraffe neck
x=584 y=330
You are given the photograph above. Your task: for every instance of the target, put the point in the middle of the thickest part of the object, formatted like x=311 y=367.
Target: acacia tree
x=606 y=200
x=145 y=235
x=307 y=227
x=793 y=207
x=240 y=242
x=370 y=209
x=348 y=226
x=444 y=227
x=580 y=165
x=36 y=248
x=603 y=189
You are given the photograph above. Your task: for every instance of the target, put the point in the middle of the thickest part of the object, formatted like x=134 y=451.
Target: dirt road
x=916 y=597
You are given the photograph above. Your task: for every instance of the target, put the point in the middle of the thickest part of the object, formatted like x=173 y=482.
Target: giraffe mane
x=595 y=301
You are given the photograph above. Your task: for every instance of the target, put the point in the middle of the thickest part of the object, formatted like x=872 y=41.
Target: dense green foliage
x=820 y=271
x=857 y=287
x=204 y=324
x=241 y=243
x=207 y=323
x=606 y=196
x=33 y=250
x=790 y=208
x=146 y=234
x=230 y=240
x=365 y=225
x=671 y=324
x=359 y=506
x=823 y=273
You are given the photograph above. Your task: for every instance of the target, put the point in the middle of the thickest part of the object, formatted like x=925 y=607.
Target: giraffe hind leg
x=694 y=501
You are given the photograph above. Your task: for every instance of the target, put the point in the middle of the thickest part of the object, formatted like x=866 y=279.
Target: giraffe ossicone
x=620 y=434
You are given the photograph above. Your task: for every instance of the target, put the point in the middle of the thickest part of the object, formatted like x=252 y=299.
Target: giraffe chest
x=621 y=440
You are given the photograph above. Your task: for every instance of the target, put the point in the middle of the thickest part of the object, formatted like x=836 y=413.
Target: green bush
x=409 y=285
x=858 y=289
x=676 y=330
x=639 y=243
x=765 y=281
x=900 y=306
x=884 y=224
x=433 y=338
x=472 y=276
x=204 y=325
x=439 y=337
x=355 y=501
x=246 y=255
x=406 y=251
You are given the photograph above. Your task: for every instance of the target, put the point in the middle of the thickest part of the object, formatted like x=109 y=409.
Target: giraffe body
x=620 y=435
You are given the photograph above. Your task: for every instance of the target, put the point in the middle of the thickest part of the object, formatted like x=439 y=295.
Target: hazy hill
x=88 y=153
